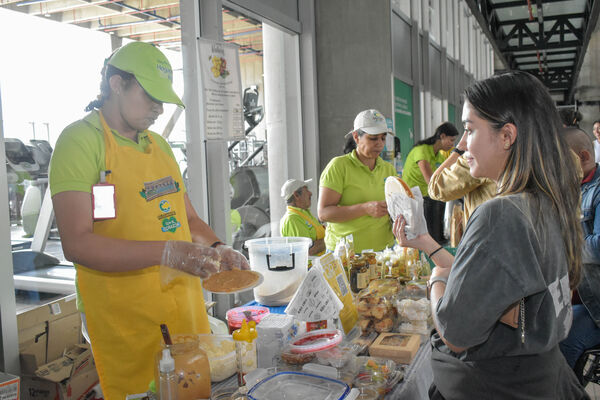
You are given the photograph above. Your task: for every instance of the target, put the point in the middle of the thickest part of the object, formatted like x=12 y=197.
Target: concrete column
x=282 y=115
x=354 y=66
x=9 y=339
x=310 y=106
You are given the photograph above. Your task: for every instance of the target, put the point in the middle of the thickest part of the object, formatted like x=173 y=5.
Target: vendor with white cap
x=351 y=193
x=298 y=220
x=125 y=218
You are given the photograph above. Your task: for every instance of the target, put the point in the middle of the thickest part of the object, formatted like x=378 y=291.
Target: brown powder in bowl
x=231 y=281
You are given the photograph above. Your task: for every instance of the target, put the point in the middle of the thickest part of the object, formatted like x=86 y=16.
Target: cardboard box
x=9 y=387
x=70 y=377
x=45 y=331
x=400 y=347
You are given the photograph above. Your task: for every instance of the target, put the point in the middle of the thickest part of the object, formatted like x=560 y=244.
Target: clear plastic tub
x=298 y=386
x=283 y=262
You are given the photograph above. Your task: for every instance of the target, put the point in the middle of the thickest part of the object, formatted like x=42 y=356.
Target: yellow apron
x=319 y=229
x=124 y=310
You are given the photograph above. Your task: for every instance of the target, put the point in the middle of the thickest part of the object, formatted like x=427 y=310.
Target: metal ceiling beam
x=533 y=53
x=546 y=18
x=519 y=3
x=483 y=22
x=560 y=28
x=522 y=63
x=590 y=25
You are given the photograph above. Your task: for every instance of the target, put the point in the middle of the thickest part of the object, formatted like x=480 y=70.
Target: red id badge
x=104 y=201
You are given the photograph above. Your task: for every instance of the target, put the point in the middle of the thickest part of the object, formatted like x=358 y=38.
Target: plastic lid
x=313 y=341
x=235 y=316
x=295 y=385
x=166 y=364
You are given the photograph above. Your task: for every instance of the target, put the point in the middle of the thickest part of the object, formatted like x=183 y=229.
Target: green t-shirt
x=79 y=154
x=412 y=173
x=351 y=178
x=294 y=225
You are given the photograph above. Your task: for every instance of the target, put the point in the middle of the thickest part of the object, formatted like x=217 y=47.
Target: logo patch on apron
x=170 y=224
x=158 y=188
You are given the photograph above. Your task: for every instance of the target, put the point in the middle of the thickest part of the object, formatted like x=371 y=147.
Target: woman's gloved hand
x=231 y=259
x=193 y=258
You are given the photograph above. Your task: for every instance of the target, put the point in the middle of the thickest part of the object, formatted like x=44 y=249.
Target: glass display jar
x=191 y=367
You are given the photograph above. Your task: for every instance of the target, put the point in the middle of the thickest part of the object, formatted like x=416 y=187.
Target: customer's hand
x=231 y=259
x=193 y=258
x=420 y=242
x=462 y=144
x=375 y=209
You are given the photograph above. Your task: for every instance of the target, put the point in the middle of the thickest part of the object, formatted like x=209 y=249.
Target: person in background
x=453 y=180
x=119 y=256
x=596 y=132
x=502 y=305
x=420 y=163
x=298 y=220
x=351 y=192
x=585 y=331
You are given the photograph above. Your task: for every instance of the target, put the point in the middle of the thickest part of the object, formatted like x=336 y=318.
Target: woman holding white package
x=502 y=305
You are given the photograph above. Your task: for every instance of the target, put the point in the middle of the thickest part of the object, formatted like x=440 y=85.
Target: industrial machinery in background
x=27 y=171
x=249 y=177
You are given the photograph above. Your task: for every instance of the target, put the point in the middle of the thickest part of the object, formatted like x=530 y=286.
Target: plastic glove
x=231 y=259
x=193 y=258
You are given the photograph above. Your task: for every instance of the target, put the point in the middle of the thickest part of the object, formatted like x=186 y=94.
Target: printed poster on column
x=222 y=89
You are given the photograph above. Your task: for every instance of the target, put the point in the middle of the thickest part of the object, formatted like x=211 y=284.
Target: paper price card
x=314 y=300
x=333 y=272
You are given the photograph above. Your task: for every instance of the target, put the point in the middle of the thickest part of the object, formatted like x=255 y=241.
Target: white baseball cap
x=291 y=185
x=371 y=122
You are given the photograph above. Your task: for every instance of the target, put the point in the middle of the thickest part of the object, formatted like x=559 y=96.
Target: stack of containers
x=274 y=332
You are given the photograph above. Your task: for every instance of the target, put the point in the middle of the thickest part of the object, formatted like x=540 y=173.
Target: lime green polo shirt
x=294 y=225
x=356 y=183
x=412 y=173
x=79 y=154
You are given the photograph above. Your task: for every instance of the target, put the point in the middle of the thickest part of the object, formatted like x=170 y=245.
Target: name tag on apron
x=160 y=188
x=103 y=201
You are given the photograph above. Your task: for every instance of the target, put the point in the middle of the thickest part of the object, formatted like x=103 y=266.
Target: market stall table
x=417 y=379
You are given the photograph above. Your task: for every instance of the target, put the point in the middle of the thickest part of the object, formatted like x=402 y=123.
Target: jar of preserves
x=359 y=274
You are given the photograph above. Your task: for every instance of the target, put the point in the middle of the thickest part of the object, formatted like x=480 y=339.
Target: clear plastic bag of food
x=376 y=306
x=414 y=310
x=415 y=289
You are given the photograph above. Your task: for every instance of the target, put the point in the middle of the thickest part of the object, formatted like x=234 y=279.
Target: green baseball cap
x=151 y=69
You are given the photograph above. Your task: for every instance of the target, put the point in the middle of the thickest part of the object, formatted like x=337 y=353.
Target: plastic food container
x=298 y=386
x=220 y=350
x=376 y=306
x=235 y=316
x=314 y=341
x=283 y=262
x=378 y=373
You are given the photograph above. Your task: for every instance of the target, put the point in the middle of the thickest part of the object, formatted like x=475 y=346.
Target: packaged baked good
x=376 y=306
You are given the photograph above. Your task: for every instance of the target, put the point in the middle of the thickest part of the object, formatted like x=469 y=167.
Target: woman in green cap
x=126 y=222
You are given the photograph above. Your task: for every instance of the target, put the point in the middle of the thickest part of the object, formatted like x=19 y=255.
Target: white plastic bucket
x=283 y=261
